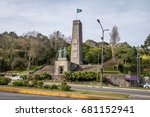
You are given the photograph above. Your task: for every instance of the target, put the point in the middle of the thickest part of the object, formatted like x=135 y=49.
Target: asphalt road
x=18 y=96
x=134 y=93
x=138 y=94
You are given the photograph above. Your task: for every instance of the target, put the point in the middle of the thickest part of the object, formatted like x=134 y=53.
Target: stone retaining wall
x=115 y=79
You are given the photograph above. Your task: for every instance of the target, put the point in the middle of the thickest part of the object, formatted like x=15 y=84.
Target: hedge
x=81 y=76
x=43 y=76
x=4 y=81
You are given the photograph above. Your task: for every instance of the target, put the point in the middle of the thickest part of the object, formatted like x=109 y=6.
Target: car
x=142 y=84
x=16 y=78
x=146 y=85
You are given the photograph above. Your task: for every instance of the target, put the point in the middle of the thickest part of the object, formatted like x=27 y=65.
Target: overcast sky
x=132 y=17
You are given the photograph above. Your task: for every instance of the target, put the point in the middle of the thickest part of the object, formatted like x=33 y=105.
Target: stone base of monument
x=62 y=65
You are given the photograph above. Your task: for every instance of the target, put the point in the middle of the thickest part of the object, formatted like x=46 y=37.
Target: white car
x=146 y=85
x=16 y=78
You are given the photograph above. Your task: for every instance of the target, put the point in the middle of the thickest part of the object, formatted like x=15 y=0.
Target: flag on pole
x=79 y=10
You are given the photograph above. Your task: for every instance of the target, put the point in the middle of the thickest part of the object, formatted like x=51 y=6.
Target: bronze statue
x=62 y=53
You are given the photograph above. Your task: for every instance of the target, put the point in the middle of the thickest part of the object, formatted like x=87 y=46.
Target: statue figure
x=64 y=52
x=60 y=53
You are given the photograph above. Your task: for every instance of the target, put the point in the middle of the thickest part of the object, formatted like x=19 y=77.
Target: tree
x=32 y=48
x=7 y=44
x=93 y=56
x=127 y=57
x=114 y=39
x=58 y=40
x=4 y=64
x=145 y=52
x=146 y=45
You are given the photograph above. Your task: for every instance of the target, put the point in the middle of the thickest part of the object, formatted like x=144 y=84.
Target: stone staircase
x=46 y=68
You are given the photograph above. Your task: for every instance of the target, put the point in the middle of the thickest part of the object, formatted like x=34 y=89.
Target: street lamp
x=102 y=54
x=138 y=64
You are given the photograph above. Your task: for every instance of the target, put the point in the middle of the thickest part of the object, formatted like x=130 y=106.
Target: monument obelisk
x=76 y=44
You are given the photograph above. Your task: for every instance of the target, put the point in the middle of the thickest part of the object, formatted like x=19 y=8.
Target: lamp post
x=138 y=64
x=102 y=54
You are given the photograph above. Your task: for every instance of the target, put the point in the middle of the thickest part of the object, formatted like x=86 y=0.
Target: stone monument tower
x=76 y=44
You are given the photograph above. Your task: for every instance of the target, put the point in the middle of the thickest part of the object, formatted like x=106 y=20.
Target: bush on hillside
x=37 y=77
x=43 y=76
x=19 y=83
x=46 y=76
x=4 y=81
x=24 y=77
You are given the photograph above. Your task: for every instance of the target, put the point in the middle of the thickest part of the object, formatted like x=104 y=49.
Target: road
x=135 y=93
x=18 y=96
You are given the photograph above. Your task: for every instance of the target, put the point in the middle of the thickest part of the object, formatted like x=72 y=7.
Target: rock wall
x=115 y=80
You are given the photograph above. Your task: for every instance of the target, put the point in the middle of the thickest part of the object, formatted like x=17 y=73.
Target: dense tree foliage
x=146 y=45
x=145 y=53
x=32 y=48
x=127 y=57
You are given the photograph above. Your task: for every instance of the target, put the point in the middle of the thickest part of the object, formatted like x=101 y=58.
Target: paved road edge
x=54 y=93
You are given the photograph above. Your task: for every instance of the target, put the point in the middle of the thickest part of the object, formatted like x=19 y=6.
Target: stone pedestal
x=61 y=66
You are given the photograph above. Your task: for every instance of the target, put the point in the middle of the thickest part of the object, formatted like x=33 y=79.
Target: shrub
x=53 y=86
x=24 y=77
x=37 y=77
x=40 y=84
x=46 y=86
x=18 y=83
x=45 y=75
x=25 y=82
x=4 y=81
x=65 y=87
x=42 y=76
x=21 y=83
x=33 y=83
x=81 y=76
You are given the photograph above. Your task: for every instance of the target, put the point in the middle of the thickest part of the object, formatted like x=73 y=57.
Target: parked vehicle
x=146 y=85
x=16 y=78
